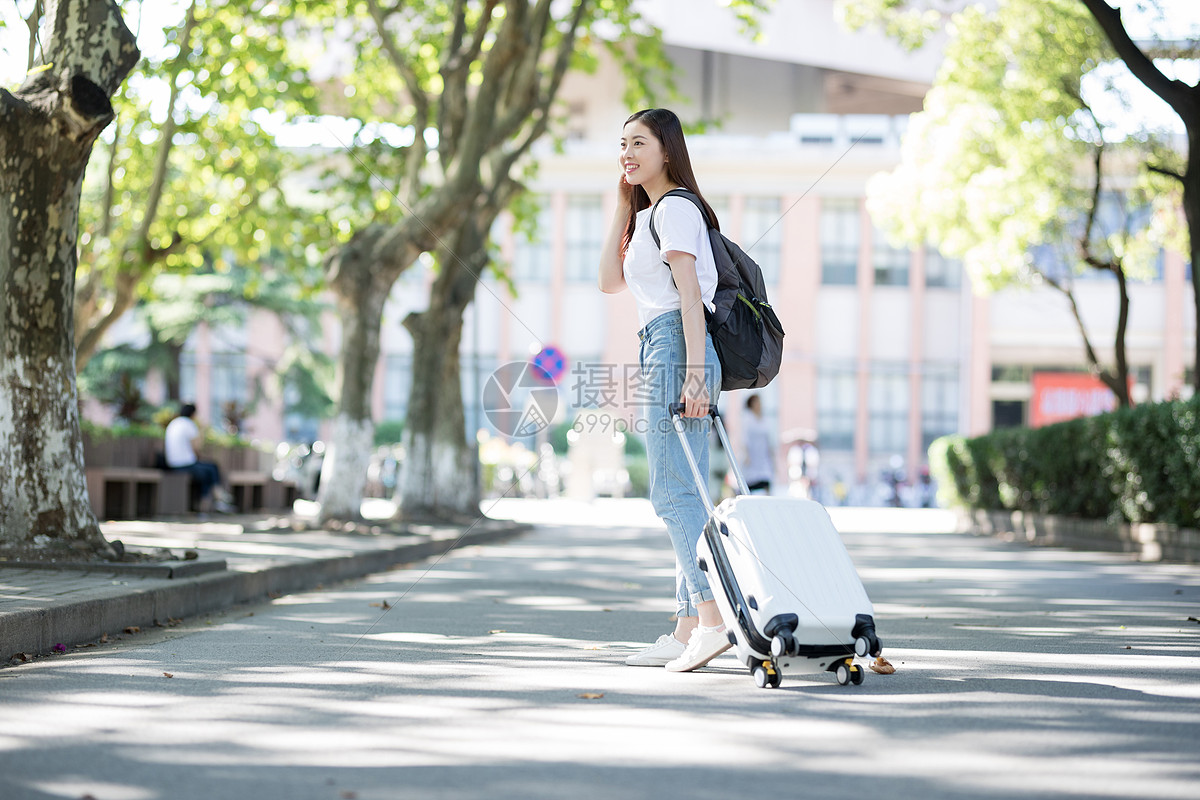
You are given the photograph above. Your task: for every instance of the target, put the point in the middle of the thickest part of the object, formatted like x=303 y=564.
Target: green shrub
x=1138 y=464
x=389 y=431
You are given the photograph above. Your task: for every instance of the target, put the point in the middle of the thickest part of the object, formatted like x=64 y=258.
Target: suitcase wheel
x=861 y=647
x=782 y=644
x=766 y=676
x=849 y=672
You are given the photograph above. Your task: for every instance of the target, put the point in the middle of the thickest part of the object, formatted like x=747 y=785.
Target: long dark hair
x=664 y=125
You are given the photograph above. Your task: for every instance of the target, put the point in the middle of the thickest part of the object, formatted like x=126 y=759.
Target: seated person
x=180 y=444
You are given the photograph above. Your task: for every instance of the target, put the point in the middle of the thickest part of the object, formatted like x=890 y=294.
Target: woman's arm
x=695 y=387
x=612 y=275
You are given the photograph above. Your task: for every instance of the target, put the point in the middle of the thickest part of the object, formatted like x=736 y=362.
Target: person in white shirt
x=180 y=443
x=671 y=284
x=759 y=460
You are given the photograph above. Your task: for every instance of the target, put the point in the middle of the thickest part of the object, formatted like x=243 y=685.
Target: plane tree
x=447 y=100
x=48 y=127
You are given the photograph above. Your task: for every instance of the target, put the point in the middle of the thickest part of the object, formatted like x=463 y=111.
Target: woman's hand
x=624 y=195
x=695 y=394
x=612 y=275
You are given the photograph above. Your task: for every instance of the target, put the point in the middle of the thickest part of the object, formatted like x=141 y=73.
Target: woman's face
x=643 y=159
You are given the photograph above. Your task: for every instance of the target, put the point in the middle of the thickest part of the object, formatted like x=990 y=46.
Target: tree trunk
x=439 y=479
x=361 y=294
x=1191 y=213
x=47 y=129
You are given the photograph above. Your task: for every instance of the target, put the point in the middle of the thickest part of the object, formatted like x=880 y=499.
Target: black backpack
x=745 y=331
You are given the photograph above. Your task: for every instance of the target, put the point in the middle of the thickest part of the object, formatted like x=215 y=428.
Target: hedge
x=1138 y=464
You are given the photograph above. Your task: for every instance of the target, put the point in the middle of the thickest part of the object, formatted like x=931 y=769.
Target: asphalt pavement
x=496 y=671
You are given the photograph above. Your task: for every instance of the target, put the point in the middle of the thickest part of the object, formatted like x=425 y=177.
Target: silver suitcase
x=787 y=590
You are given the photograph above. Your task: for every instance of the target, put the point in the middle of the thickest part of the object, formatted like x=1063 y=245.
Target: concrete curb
x=1149 y=542
x=111 y=609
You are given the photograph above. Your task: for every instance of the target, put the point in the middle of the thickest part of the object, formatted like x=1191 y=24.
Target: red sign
x=1059 y=396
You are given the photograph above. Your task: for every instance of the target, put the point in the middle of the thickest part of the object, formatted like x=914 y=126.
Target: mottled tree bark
x=438 y=476
x=361 y=292
x=47 y=129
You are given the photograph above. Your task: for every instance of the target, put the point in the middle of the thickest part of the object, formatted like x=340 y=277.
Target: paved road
x=497 y=673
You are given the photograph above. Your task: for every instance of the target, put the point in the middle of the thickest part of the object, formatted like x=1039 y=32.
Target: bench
x=139 y=492
x=127 y=478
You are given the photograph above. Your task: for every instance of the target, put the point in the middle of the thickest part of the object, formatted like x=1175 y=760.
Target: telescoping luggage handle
x=676 y=412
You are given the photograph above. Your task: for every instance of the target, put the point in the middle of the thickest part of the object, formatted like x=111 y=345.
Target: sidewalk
x=237 y=559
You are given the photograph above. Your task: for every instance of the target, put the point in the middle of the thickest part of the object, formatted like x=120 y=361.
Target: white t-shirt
x=680 y=227
x=760 y=459
x=177 y=443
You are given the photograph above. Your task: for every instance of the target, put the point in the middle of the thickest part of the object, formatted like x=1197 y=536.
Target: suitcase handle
x=676 y=412
x=677 y=409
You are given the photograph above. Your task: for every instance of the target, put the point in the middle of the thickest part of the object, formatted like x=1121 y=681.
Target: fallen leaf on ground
x=104 y=639
x=168 y=675
x=384 y=605
x=882 y=666
x=591 y=695
x=498 y=631
x=133 y=629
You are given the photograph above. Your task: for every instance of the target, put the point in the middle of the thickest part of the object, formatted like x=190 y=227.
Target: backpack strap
x=676 y=193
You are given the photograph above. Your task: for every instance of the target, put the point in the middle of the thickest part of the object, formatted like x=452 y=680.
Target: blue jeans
x=205 y=474
x=673 y=491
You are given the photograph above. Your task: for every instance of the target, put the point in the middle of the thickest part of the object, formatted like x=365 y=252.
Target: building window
x=837 y=405
x=941 y=272
x=1008 y=413
x=531 y=251
x=839 y=242
x=585 y=237
x=939 y=403
x=762 y=235
x=888 y=403
x=891 y=263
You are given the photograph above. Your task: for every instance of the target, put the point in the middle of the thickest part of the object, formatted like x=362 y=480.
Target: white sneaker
x=658 y=654
x=705 y=645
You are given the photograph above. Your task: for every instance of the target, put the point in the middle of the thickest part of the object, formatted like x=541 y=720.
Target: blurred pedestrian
x=180 y=443
x=757 y=443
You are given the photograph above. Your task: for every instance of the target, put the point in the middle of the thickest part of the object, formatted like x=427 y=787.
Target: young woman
x=671 y=284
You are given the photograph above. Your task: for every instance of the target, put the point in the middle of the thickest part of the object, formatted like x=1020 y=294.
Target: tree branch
x=1170 y=173
x=455 y=71
x=34 y=22
x=1176 y=94
x=1092 y=358
x=536 y=98
x=167 y=140
x=416 y=154
x=480 y=124
x=1085 y=241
